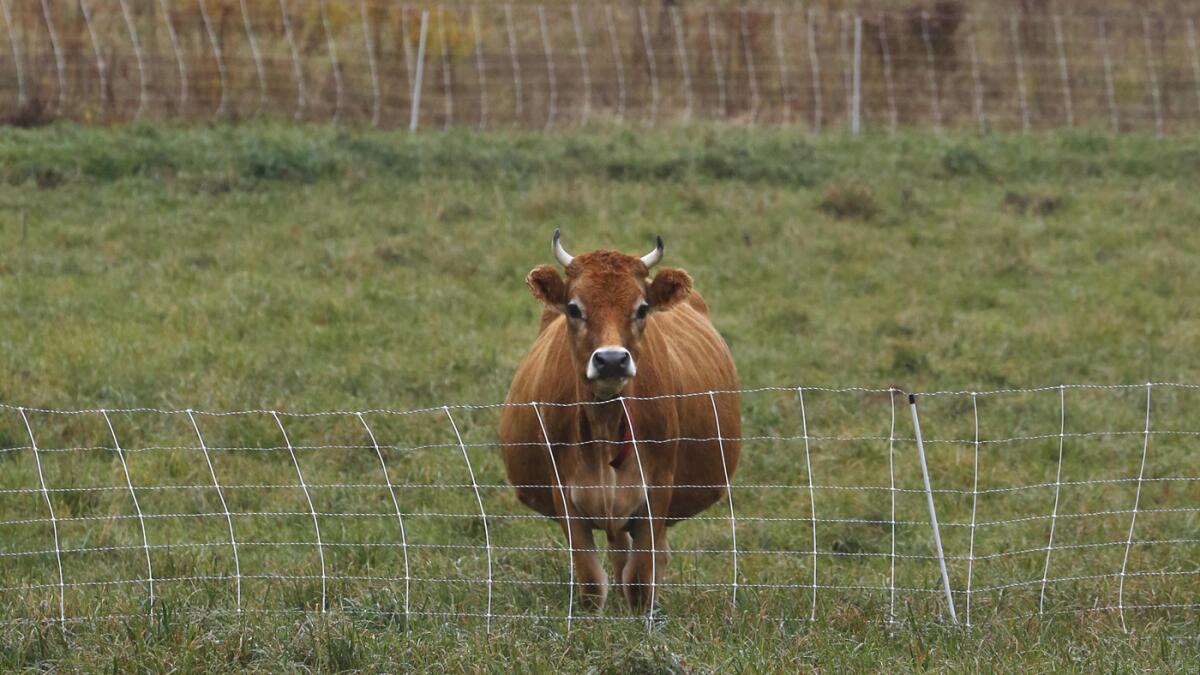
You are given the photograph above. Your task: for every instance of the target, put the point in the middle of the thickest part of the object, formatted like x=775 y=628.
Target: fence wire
x=565 y=64
x=1072 y=499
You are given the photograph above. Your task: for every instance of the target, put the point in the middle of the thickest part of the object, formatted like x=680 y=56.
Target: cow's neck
x=604 y=421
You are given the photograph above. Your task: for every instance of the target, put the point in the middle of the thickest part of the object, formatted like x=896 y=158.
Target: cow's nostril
x=615 y=362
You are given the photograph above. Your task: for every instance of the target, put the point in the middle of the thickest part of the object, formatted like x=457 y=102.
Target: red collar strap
x=622 y=449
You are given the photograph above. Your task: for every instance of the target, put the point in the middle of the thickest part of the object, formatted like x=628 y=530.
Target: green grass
x=308 y=269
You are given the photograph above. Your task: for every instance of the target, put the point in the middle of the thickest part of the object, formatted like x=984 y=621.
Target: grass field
x=310 y=269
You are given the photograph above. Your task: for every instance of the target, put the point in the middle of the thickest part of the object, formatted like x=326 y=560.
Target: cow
x=623 y=416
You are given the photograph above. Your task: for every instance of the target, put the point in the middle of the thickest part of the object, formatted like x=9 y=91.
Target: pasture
x=310 y=268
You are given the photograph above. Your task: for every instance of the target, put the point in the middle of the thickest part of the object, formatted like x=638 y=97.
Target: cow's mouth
x=608 y=388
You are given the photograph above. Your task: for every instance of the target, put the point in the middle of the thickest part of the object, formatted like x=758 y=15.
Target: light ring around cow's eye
x=574 y=311
x=641 y=312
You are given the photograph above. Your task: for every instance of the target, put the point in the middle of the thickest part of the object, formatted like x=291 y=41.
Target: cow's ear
x=670 y=286
x=548 y=286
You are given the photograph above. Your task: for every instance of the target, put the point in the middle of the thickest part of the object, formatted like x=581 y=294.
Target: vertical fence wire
x=729 y=495
x=1022 y=100
x=617 y=62
x=312 y=510
x=1062 y=431
x=551 y=80
x=1137 y=498
x=812 y=499
x=518 y=98
x=387 y=479
x=487 y=536
x=652 y=68
x=885 y=54
x=935 y=104
x=566 y=510
x=479 y=68
x=136 y=507
x=751 y=74
x=1063 y=70
x=335 y=69
x=447 y=72
x=415 y=109
x=37 y=458
x=977 y=99
x=815 y=68
x=212 y=472
x=974 y=506
x=637 y=455
x=718 y=68
x=297 y=71
x=892 y=393
x=373 y=69
x=856 y=117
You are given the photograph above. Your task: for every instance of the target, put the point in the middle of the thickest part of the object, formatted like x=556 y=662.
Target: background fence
x=499 y=65
x=1056 y=500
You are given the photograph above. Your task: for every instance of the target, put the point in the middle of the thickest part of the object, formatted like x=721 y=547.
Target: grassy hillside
x=309 y=269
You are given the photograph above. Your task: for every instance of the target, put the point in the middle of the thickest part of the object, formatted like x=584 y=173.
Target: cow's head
x=607 y=298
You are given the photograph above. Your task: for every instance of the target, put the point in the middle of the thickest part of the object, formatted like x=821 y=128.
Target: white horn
x=560 y=255
x=654 y=257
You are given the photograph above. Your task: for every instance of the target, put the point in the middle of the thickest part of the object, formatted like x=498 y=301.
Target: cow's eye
x=573 y=311
x=641 y=311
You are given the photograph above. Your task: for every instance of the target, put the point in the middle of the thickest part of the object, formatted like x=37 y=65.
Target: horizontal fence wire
x=556 y=65
x=1078 y=500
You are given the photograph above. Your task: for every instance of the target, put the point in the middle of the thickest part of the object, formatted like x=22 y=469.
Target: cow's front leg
x=648 y=559
x=593 y=582
x=619 y=543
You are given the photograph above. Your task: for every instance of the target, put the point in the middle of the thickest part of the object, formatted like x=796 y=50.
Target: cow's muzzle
x=611 y=363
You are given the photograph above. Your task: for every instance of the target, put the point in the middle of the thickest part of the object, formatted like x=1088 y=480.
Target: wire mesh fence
x=1073 y=499
x=371 y=62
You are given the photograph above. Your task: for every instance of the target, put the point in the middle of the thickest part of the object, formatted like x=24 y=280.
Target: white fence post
x=137 y=54
x=980 y=116
x=487 y=537
x=1108 y=76
x=784 y=91
x=931 y=68
x=6 y=14
x=37 y=458
x=650 y=62
x=101 y=66
x=933 y=522
x=1064 y=71
x=685 y=69
x=616 y=54
x=751 y=74
x=331 y=43
x=718 y=69
x=856 y=117
x=59 y=63
x=1014 y=30
x=1137 y=497
x=257 y=55
x=518 y=102
x=298 y=72
x=1152 y=72
x=585 y=70
x=179 y=61
x=815 y=66
x=415 y=112
x=216 y=47
x=550 y=72
x=370 y=46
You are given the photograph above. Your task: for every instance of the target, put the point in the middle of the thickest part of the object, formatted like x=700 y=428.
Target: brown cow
x=609 y=339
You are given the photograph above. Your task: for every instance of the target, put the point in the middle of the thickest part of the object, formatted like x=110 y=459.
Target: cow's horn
x=560 y=255
x=653 y=257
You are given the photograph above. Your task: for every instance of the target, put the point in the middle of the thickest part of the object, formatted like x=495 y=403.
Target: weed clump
x=849 y=201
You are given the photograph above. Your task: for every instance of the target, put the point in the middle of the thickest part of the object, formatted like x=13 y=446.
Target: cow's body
x=605 y=464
